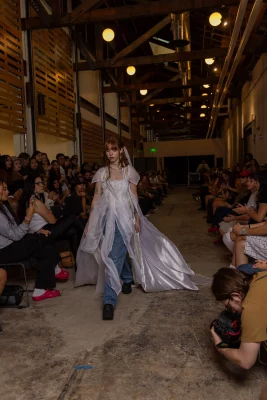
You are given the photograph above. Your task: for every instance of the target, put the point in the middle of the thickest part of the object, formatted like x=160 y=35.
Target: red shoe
x=214 y=229
x=62 y=275
x=49 y=294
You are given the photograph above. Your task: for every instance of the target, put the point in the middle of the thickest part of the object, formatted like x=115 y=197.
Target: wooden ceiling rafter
x=147 y=9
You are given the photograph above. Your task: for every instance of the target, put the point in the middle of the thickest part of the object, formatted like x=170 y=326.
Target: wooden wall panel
x=12 y=100
x=53 y=77
x=92 y=142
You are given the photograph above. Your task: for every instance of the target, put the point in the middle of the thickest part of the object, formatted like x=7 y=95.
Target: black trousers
x=67 y=228
x=35 y=247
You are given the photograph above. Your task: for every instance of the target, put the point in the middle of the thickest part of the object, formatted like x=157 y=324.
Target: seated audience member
x=24 y=159
x=45 y=158
x=61 y=160
x=146 y=199
x=16 y=174
x=75 y=204
x=247 y=161
x=250 y=241
x=227 y=213
x=17 y=245
x=5 y=167
x=68 y=169
x=74 y=164
x=56 y=188
x=162 y=183
x=3 y=279
x=95 y=168
x=32 y=169
x=246 y=295
x=255 y=168
x=14 y=198
x=38 y=157
x=43 y=219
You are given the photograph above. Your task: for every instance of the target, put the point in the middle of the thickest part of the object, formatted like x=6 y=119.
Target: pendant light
x=108 y=35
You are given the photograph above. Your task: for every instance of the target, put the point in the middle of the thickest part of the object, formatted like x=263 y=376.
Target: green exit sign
x=153 y=150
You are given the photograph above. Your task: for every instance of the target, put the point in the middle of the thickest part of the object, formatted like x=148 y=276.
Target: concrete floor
x=157 y=347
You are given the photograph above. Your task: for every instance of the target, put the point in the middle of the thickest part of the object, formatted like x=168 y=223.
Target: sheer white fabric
x=157 y=263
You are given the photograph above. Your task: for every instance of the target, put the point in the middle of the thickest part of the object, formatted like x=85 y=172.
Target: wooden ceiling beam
x=57 y=9
x=79 y=11
x=169 y=121
x=171 y=100
x=142 y=39
x=162 y=58
x=160 y=85
x=147 y=9
x=174 y=111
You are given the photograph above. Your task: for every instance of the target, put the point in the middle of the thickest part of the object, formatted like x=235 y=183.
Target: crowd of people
x=235 y=201
x=45 y=204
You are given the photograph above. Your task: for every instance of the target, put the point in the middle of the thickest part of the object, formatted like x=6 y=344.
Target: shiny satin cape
x=156 y=262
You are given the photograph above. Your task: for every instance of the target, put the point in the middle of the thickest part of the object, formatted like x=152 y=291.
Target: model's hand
x=260 y=264
x=137 y=226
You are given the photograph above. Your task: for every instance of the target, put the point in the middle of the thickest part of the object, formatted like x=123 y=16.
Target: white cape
x=156 y=262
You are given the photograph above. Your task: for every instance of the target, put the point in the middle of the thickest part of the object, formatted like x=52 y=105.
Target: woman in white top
x=116 y=226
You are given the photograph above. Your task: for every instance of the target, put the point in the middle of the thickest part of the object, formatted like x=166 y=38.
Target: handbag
x=11 y=296
x=67 y=259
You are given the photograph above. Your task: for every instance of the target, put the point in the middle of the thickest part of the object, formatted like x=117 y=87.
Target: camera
x=228 y=327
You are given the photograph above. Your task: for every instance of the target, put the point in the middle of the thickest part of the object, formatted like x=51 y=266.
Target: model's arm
x=133 y=188
x=97 y=195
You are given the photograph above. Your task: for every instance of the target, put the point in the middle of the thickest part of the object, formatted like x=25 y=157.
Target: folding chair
x=23 y=265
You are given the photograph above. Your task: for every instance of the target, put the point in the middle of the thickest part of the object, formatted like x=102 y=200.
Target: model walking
x=116 y=227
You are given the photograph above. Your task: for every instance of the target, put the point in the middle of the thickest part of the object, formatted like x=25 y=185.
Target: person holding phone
x=16 y=244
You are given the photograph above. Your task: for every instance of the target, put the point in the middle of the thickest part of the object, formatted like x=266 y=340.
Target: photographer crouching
x=246 y=297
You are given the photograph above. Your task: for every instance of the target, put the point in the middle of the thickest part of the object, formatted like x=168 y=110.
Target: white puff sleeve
x=98 y=177
x=133 y=175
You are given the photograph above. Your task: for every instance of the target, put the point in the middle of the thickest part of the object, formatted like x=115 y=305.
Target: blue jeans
x=118 y=256
x=248 y=269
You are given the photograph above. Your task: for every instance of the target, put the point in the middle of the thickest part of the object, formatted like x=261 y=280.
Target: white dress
x=156 y=262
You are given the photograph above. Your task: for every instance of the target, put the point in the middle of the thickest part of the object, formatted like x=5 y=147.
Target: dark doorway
x=179 y=167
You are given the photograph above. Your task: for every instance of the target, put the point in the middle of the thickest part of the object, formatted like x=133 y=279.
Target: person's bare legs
x=240 y=257
x=3 y=278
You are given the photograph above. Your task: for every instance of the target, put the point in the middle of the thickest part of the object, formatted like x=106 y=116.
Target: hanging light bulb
x=202 y=115
x=206 y=86
x=143 y=92
x=204 y=106
x=215 y=69
x=209 y=61
x=204 y=94
x=151 y=105
x=158 y=110
x=215 y=19
x=108 y=35
x=225 y=23
x=131 y=70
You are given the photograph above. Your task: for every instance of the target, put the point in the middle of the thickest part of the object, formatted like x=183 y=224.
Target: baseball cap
x=244 y=174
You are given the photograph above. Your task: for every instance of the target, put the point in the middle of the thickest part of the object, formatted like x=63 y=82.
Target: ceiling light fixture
x=225 y=23
x=108 y=35
x=143 y=92
x=206 y=86
x=215 y=69
x=158 y=110
x=215 y=19
x=203 y=106
x=151 y=105
x=209 y=61
x=202 y=115
x=204 y=94
x=131 y=70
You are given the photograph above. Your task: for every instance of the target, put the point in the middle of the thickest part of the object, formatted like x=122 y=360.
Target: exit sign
x=153 y=150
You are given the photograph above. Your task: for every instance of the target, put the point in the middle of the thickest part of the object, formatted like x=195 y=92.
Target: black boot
x=108 y=312
x=127 y=288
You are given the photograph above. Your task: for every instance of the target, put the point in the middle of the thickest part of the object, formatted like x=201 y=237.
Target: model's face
x=38 y=157
x=39 y=186
x=17 y=165
x=3 y=192
x=33 y=164
x=113 y=154
x=8 y=163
